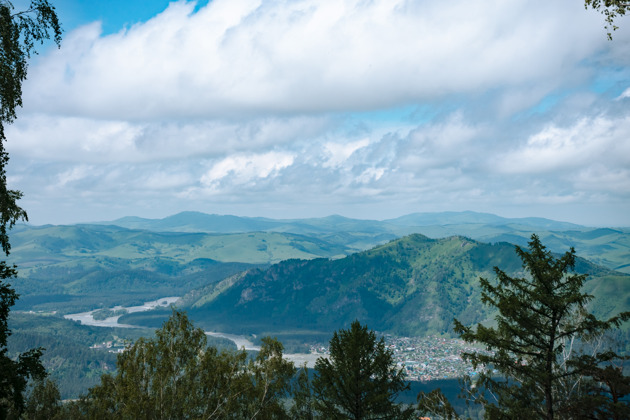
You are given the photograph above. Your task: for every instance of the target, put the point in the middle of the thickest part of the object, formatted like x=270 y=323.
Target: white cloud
x=166 y=180
x=240 y=57
x=73 y=139
x=340 y=152
x=452 y=142
x=74 y=174
x=587 y=141
x=250 y=105
x=370 y=175
x=603 y=179
x=244 y=169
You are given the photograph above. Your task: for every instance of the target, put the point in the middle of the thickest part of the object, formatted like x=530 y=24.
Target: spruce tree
x=538 y=362
x=359 y=381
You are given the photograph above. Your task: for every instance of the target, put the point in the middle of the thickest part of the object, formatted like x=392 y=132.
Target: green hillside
x=81 y=267
x=71 y=268
x=607 y=247
x=35 y=246
x=411 y=286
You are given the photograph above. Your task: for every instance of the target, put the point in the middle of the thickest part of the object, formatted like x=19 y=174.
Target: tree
x=359 y=381
x=436 y=404
x=177 y=376
x=605 y=395
x=19 y=32
x=611 y=9
x=44 y=402
x=534 y=347
x=271 y=378
x=303 y=407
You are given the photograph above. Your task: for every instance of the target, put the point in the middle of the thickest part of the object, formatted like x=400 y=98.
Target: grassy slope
x=74 y=268
x=608 y=247
x=37 y=246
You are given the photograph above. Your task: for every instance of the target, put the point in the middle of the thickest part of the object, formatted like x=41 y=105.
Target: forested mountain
x=80 y=267
x=411 y=286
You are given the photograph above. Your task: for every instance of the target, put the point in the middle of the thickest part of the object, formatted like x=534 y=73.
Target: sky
x=370 y=109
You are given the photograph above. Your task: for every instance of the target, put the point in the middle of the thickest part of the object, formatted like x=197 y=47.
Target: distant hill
x=91 y=265
x=411 y=286
x=350 y=234
x=470 y=217
x=607 y=247
x=190 y=221
x=36 y=246
x=87 y=266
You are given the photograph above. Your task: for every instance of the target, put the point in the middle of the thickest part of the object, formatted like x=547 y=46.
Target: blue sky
x=287 y=109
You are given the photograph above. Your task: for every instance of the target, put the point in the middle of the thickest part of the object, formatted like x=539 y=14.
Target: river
x=87 y=318
x=241 y=341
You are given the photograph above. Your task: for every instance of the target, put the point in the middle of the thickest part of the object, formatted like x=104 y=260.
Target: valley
x=423 y=358
x=297 y=280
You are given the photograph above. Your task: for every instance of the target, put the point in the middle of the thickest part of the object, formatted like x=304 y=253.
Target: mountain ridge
x=203 y=221
x=606 y=246
x=414 y=285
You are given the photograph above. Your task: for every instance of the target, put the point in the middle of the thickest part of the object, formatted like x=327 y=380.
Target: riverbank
x=241 y=341
x=87 y=318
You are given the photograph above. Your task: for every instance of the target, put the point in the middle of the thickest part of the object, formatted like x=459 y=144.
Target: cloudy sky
x=305 y=108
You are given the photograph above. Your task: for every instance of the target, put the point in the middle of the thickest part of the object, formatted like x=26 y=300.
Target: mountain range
x=609 y=247
x=126 y=261
x=296 y=279
x=410 y=286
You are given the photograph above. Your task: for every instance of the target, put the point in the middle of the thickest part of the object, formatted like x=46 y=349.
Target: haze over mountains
x=202 y=222
x=605 y=246
x=81 y=267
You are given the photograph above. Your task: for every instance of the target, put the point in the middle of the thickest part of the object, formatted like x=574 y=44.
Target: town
x=425 y=358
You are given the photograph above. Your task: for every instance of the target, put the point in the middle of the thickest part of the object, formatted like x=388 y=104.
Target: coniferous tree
x=359 y=381
x=542 y=373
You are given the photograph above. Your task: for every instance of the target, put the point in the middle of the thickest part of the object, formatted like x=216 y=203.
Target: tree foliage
x=177 y=376
x=19 y=34
x=611 y=9
x=538 y=347
x=436 y=404
x=303 y=407
x=359 y=380
x=44 y=402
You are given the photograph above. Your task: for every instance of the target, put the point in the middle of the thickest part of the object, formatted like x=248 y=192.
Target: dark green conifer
x=359 y=380
x=535 y=368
